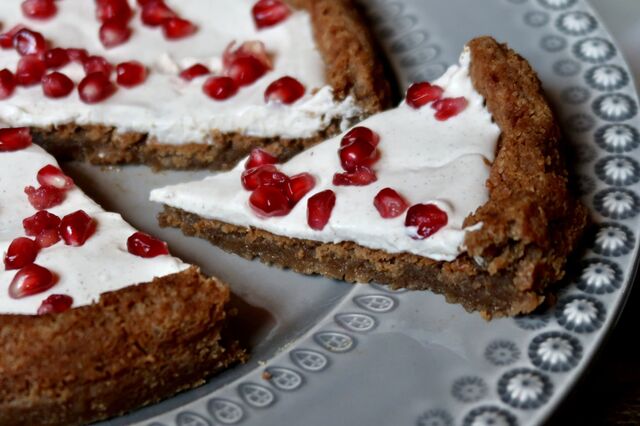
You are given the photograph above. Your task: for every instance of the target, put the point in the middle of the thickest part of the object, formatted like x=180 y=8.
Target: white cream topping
x=102 y=264
x=425 y=160
x=168 y=108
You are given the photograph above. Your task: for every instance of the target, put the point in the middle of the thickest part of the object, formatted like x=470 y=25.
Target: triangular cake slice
x=186 y=84
x=461 y=189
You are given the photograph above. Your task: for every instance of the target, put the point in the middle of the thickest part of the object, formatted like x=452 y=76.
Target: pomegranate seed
x=268 y=201
x=52 y=176
x=298 y=186
x=319 y=207
x=362 y=176
x=95 y=87
x=266 y=175
x=47 y=238
x=358 y=153
x=131 y=73
x=177 y=28
x=13 y=139
x=420 y=94
x=39 y=222
x=55 y=304
x=155 y=12
x=113 y=11
x=220 y=88
x=56 y=58
x=56 y=85
x=39 y=9
x=285 y=90
x=146 y=246
x=246 y=70
x=97 y=64
x=449 y=107
x=29 y=42
x=44 y=197
x=360 y=133
x=114 y=33
x=77 y=55
x=31 y=279
x=7 y=83
x=30 y=70
x=249 y=49
x=259 y=157
x=21 y=252
x=144 y=2
x=389 y=203
x=267 y=13
x=194 y=71
x=426 y=218
x=76 y=228
x=6 y=39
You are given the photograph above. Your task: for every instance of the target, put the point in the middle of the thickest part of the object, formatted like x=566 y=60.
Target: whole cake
x=461 y=189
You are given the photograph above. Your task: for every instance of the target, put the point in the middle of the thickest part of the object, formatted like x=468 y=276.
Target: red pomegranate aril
x=449 y=107
x=39 y=9
x=113 y=11
x=266 y=175
x=7 y=84
x=360 y=133
x=52 y=176
x=177 y=28
x=114 y=33
x=420 y=94
x=426 y=218
x=40 y=222
x=6 y=39
x=93 y=64
x=21 y=252
x=267 y=13
x=44 y=197
x=76 y=228
x=389 y=203
x=319 y=208
x=32 y=279
x=298 y=186
x=220 y=88
x=143 y=245
x=259 y=157
x=245 y=70
x=30 y=70
x=361 y=177
x=95 y=87
x=130 y=74
x=13 y=139
x=55 y=304
x=194 y=71
x=47 y=238
x=56 y=85
x=359 y=153
x=155 y=12
x=269 y=201
x=285 y=90
x=29 y=42
x=56 y=58
x=77 y=55
x=249 y=49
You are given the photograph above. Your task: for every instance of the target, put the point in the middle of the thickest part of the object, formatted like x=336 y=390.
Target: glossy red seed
x=146 y=246
x=52 y=176
x=47 y=238
x=56 y=85
x=319 y=208
x=6 y=39
x=266 y=175
x=21 y=252
x=426 y=218
x=361 y=177
x=420 y=94
x=40 y=222
x=298 y=186
x=39 y=9
x=449 y=107
x=259 y=157
x=7 y=84
x=249 y=49
x=360 y=133
x=194 y=71
x=113 y=11
x=269 y=201
x=114 y=33
x=76 y=228
x=267 y=13
x=93 y=64
x=13 y=139
x=30 y=70
x=56 y=58
x=177 y=28
x=220 y=88
x=285 y=90
x=31 y=279
x=246 y=70
x=77 y=55
x=55 y=304
x=44 y=197
x=389 y=203
x=29 y=42
x=358 y=153
x=95 y=87
x=130 y=74
x=155 y=12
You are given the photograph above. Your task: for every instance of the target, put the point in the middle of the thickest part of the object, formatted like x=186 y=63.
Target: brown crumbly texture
x=353 y=69
x=136 y=346
x=531 y=221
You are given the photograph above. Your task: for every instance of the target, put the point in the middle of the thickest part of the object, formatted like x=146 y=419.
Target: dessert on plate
x=462 y=189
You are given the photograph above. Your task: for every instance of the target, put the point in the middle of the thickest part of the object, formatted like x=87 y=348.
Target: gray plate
x=344 y=355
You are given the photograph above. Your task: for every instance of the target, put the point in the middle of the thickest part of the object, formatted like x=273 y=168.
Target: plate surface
x=339 y=354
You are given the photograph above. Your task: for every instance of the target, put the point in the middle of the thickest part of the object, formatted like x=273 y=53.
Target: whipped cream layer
x=172 y=110
x=102 y=264
x=425 y=160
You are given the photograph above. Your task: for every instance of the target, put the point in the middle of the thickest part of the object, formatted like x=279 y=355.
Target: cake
x=462 y=189
x=185 y=84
